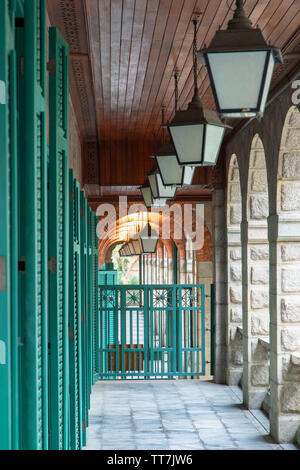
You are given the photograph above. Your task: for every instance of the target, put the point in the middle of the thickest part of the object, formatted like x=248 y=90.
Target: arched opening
x=234 y=272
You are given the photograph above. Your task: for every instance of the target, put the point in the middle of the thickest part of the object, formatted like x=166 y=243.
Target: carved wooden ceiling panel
x=123 y=54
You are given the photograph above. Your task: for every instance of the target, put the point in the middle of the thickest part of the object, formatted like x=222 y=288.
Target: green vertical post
x=212 y=329
x=175 y=263
x=82 y=286
x=58 y=240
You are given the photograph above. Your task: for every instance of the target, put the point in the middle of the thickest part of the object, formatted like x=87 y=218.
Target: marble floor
x=174 y=415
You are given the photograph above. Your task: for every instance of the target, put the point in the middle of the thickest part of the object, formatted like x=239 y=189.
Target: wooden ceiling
x=122 y=61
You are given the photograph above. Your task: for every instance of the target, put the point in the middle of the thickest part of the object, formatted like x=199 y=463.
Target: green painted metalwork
x=159 y=331
x=175 y=263
x=33 y=246
x=58 y=242
x=7 y=314
x=212 y=329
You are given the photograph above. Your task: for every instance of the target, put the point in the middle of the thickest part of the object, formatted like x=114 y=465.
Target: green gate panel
x=159 y=331
x=8 y=312
x=58 y=241
x=33 y=241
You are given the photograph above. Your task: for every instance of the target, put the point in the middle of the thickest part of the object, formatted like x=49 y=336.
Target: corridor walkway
x=175 y=415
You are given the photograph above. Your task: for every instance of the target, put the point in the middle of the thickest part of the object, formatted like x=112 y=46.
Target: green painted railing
x=159 y=331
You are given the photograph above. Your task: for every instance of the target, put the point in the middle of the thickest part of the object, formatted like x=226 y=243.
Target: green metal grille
x=152 y=331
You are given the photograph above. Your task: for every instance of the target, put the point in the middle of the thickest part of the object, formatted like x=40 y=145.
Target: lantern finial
x=239 y=20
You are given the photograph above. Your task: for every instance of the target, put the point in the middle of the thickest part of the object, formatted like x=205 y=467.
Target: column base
x=253 y=399
x=234 y=376
x=285 y=428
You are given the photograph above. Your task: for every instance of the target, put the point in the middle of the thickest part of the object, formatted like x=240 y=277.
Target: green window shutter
x=58 y=241
x=34 y=250
x=75 y=318
x=83 y=247
x=8 y=333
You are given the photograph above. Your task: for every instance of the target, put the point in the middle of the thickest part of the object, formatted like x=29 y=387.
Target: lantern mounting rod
x=195 y=21
x=163 y=111
x=176 y=75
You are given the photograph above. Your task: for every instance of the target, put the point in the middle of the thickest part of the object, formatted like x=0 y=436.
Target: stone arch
x=234 y=274
x=284 y=230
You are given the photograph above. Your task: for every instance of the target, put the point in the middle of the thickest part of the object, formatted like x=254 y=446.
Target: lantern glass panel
x=147 y=196
x=153 y=185
x=170 y=170
x=188 y=142
x=188 y=174
x=213 y=141
x=149 y=245
x=164 y=191
x=238 y=78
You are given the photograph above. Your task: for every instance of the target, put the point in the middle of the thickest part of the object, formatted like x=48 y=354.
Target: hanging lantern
x=158 y=189
x=170 y=171
x=172 y=174
x=148 y=240
x=137 y=247
x=197 y=132
x=149 y=200
x=240 y=66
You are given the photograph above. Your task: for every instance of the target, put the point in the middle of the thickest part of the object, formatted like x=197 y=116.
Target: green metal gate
x=159 y=331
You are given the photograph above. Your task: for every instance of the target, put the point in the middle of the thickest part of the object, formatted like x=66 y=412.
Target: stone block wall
x=270 y=211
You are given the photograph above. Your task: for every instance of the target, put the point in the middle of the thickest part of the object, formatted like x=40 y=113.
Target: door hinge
x=70 y=195
x=52 y=265
x=82 y=318
x=22 y=66
x=83 y=425
x=71 y=333
x=22 y=265
x=51 y=66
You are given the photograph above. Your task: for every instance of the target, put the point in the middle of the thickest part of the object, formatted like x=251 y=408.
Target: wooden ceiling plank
x=105 y=24
x=169 y=34
x=149 y=27
x=137 y=34
x=127 y=24
x=95 y=57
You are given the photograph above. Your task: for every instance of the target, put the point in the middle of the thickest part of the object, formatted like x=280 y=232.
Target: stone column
x=284 y=236
x=219 y=262
x=255 y=266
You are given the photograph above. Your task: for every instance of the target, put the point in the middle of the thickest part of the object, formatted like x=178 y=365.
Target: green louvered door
x=75 y=318
x=8 y=249
x=34 y=249
x=58 y=241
